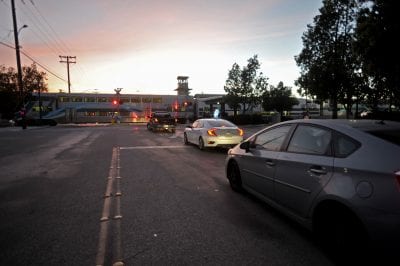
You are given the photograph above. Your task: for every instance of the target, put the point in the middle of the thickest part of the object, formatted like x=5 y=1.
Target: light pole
x=19 y=68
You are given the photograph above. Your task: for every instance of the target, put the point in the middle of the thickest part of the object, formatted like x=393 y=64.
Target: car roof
x=387 y=130
x=211 y=120
x=361 y=124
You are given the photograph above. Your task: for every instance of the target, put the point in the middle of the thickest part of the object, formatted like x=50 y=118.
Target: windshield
x=221 y=123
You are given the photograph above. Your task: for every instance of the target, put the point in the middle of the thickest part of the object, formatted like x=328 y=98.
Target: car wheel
x=201 y=143
x=185 y=140
x=341 y=233
x=233 y=174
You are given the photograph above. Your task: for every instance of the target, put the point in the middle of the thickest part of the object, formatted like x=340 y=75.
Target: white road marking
x=152 y=147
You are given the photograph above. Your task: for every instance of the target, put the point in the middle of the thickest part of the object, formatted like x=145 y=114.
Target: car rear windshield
x=221 y=123
x=392 y=136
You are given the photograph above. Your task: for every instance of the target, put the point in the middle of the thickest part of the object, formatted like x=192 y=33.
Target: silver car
x=213 y=132
x=338 y=178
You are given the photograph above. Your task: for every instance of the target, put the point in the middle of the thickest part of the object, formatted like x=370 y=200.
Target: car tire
x=233 y=175
x=201 y=144
x=342 y=234
x=185 y=139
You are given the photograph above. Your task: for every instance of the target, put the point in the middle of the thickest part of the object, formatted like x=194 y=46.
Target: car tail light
x=241 y=132
x=397 y=174
x=212 y=132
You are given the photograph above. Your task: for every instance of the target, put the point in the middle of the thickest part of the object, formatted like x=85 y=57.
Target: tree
x=244 y=87
x=327 y=63
x=377 y=34
x=8 y=92
x=33 y=80
x=279 y=98
x=233 y=87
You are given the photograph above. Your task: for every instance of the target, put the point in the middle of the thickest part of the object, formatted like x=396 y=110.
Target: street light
x=25 y=26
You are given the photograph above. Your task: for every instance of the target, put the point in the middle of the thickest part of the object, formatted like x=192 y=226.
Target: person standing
x=22 y=115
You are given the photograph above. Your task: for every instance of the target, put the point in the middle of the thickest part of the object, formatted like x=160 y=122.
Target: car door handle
x=318 y=170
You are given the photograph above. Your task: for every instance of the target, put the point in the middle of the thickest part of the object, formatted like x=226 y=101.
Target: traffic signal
x=114 y=102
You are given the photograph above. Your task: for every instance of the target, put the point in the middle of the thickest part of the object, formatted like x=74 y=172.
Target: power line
x=50 y=34
x=41 y=32
x=35 y=61
x=52 y=29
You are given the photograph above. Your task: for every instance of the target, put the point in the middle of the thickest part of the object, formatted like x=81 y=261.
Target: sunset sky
x=142 y=46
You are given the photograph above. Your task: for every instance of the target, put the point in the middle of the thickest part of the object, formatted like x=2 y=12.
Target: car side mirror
x=245 y=146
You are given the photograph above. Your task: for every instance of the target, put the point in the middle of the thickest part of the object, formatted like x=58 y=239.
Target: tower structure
x=183 y=86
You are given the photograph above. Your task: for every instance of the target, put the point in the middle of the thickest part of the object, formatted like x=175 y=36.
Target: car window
x=392 y=136
x=220 y=123
x=344 y=145
x=272 y=139
x=310 y=140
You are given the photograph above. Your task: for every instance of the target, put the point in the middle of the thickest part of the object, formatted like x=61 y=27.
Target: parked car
x=338 y=178
x=161 y=121
x=213 y=132
x=35 y=122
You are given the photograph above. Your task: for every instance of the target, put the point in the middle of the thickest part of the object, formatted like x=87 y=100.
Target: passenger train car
x=108 y=108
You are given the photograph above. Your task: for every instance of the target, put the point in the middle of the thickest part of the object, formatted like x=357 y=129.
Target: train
x=108 y=108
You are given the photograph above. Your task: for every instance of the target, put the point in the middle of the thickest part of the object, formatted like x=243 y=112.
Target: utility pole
x=68 y=62
x=19 y=69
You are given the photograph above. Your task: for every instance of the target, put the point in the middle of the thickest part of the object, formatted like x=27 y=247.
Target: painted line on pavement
x=112 y=198
x=152 y=147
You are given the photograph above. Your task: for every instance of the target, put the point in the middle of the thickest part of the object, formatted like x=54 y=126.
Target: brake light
x=397 y=174
x=241 y=132
x=212 y=132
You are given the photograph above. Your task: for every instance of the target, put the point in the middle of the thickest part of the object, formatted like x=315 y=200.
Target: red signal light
x=115 y=102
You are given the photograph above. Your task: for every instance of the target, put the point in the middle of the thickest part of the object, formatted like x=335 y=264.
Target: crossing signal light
x=115 y=102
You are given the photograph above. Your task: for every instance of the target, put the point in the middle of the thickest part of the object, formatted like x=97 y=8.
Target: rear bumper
x=222 y=142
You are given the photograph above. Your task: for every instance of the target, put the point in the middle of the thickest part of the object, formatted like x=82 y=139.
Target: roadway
x=121 y=195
